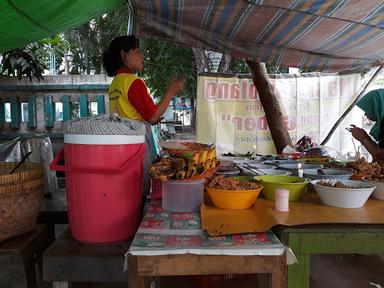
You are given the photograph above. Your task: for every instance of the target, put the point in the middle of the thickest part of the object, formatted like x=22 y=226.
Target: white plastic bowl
x=274 y=172
x=295 y=166
x=378 y=193
x=327 y=173
x=344 y=197
x=261 y=165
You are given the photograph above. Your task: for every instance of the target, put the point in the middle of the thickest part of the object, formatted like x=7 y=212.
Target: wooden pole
x=362 y=92
x=270 y=105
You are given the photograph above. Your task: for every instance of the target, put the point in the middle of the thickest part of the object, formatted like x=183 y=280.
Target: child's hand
x=176 y=85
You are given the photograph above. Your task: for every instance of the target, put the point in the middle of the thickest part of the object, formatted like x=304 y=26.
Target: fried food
x=365 y=169
x=185 y=165
x=231 y=183
x=337 y=184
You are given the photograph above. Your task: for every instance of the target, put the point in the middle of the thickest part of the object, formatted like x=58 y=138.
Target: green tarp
x=25 y=21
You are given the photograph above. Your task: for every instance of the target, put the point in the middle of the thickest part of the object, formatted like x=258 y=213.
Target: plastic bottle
x=300 y=171
x=282 y=200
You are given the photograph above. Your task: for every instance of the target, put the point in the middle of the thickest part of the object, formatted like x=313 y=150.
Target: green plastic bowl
x=295 y=185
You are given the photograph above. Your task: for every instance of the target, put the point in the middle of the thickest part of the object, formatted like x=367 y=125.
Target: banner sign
x=229 y=112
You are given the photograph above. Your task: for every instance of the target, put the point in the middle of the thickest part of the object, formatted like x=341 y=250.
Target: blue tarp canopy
x=316 y=34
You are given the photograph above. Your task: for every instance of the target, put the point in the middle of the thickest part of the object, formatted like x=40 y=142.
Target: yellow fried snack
x=180 y=164
x=180 y=175
x=202 y=157
x=191 y=172
x=211 y=154
x=191 y=163
x=207 y=164
x=195 y=157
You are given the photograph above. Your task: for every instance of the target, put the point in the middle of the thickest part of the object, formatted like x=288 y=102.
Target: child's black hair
x=112 y=56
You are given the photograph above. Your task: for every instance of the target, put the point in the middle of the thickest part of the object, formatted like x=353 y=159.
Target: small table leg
x=134 y=279
x=279 y=277
x=298 y=273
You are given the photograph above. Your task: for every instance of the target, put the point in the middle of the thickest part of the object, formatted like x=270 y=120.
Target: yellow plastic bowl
x=233 y=199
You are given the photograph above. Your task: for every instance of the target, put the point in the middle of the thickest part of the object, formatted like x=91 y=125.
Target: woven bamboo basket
x=21 y=194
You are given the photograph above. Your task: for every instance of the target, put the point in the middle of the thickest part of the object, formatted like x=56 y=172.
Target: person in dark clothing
x=372 y=104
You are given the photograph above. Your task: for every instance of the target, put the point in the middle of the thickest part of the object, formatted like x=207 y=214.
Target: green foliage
x=23 y=62
x=276 y=69
x=239 y=66
x=163 y=61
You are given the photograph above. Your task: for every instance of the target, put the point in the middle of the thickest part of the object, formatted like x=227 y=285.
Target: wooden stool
x=72 y=261
x=19 y=255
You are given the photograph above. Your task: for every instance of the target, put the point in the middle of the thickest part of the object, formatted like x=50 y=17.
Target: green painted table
x=305 y=240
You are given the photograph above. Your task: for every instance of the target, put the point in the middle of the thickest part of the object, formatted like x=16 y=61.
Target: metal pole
x=130 y=25
x=66 y=65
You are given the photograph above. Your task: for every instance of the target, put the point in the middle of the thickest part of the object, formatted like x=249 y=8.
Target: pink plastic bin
x=104 y=175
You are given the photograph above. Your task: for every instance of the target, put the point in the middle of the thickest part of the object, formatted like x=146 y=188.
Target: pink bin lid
x=103 y=139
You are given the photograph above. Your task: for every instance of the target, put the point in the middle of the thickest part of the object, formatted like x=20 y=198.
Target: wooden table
x=170 y=244
x=305 y=240
x=19 y=256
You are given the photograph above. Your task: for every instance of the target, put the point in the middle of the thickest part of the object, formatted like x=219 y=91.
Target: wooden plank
x=100 y=104
x=32 y=120
x=342 y=242
x=67 y=108
x=334 y=228
x=83 y=106
x=15 y=112
x=49 y=111
x=188 y=264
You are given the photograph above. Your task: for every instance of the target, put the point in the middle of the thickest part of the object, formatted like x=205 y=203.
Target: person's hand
x=176 y=85
x=358 y=133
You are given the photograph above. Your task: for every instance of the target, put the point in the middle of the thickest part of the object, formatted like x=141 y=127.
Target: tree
x=90 y=40
x=163 y=61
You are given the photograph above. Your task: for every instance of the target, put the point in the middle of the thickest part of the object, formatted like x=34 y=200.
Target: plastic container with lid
x=183 y=195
